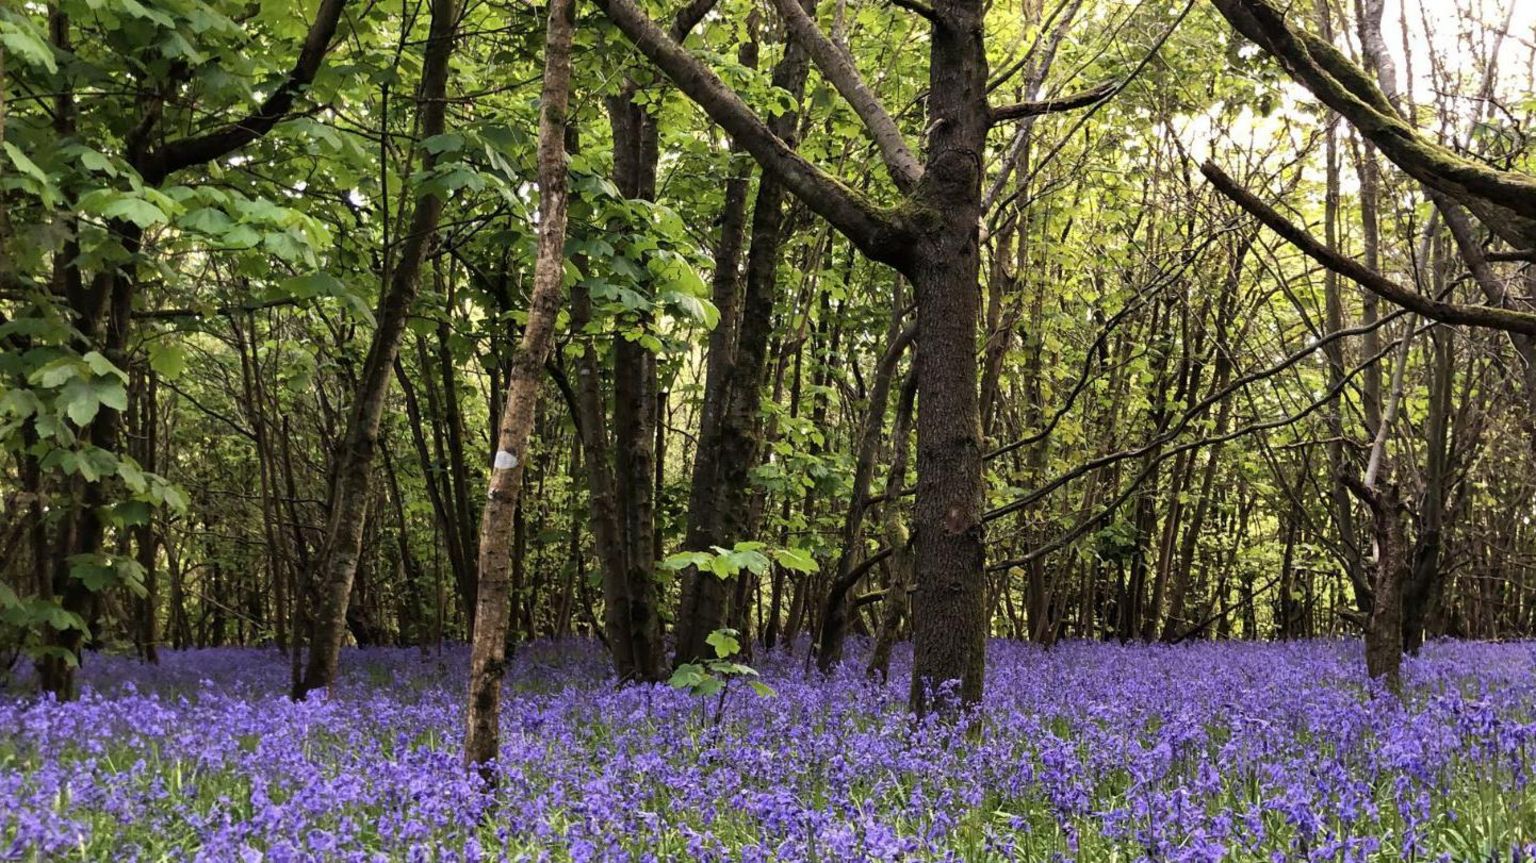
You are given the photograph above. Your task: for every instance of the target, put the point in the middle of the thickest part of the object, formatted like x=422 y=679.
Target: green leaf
x=34 y=178
x=286 y=245
x=687 y=676
x=24 y=164
x=28 y=45
x=724 y=642
x=138 y=10
x=132 y=476
x=168 y=359
x=56 y=373
x=447 y=142
x=95 y=161
x=61 y=619
x=684 y=559
x=135 y=210
x=694 y=308
x=99 y=364
x=762 y=688
x=733 y=669
x=95 y=575
x=173 y=497
x=207 y=220
x=796 y=559
x=129 y=513
x=79 y=400
x=111 y=393
x=316 y=284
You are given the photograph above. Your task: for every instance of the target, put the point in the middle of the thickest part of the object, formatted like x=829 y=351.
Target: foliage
x=714 y=676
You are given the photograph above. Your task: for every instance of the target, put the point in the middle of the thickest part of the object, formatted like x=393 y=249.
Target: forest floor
x=1208 y=752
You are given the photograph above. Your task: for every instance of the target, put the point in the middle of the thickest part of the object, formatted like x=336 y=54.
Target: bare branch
x=1020 y=110
x=876 y=231
x=1084 y=525
x=922 y=9
x=1507 y=320
x=1503 y=200
x=838 y=68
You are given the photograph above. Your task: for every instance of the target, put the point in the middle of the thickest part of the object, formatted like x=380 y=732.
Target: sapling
x=715 y=676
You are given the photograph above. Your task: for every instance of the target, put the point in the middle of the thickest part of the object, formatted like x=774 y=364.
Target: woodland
x=1058 y=429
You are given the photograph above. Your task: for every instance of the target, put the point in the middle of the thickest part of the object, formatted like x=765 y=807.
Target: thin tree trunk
x=489 y=644
x=899 y=588
x=737 y=446
x=354 y=462
x=145 y=537
x=834 y=621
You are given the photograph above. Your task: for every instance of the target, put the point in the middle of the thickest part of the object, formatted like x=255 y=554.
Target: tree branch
x=922 y=9
x=1085 y=524
x=838 y=68
x=200 y=149
x=1020 y=110
x=1507 y=320
x=1503 y=200
x=876 y=231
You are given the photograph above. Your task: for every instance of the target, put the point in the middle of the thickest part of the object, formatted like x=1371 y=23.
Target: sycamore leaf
x=795 y=559
x=207 y=220
x=56 y=373
x=79 y=400
x=684 y=559
x=27 y=44
x=23 y=163
x=694 y=308
x=724 y=642
x=111 y=393
x=687 y=676
x=135 y=210
x=168 y=360
x=103 y=366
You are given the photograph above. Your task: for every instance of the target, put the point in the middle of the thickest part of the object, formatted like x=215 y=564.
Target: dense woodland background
x=265 y=269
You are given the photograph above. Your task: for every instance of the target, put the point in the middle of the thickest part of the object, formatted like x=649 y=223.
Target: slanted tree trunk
x=834 y=616
x=353 y=465
x=493 y=604
x=706 y=492
x=1384 y=627
x=898 y=588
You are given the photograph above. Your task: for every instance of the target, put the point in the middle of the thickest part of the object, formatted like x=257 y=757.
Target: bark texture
x=353 y=465
x=497 y=525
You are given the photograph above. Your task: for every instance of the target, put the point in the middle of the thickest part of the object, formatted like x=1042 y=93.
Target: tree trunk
x=736 y=445
x=1384 y=628
x=932 y=238
x=834 y=620
x=899 y=587
x=337 y=566
x=493 y=605
x=949 y=612
x=1425 y=578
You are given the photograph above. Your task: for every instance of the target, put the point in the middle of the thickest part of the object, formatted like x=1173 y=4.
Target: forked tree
x=932 y=238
